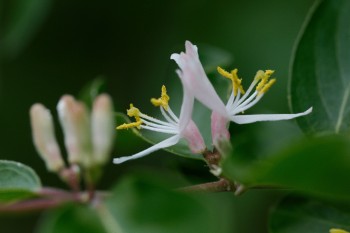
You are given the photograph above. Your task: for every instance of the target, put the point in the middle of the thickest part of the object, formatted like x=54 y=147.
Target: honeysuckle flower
x=178 y=127
x=44 y=137
x=197 y=82
x=334 y=230
x=88 y=139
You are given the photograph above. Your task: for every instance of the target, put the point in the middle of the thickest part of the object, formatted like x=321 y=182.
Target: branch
x=222 y=185
x=30 y=205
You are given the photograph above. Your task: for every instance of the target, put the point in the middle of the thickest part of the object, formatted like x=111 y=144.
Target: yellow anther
x=269 y=72
x=163 y=100
x=136 y=124
x=267 y=86
x=134 y=112
x=224 y=72
x=259 y=75
x=236 y=82
x=264 y=76
x=333 y=230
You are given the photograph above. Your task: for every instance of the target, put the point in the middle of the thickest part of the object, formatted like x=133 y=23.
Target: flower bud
x=75 y=123
x=102 y=126
x=44 y=137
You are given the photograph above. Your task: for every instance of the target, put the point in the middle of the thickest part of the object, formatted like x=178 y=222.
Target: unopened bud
x=44 y=137
x=75 y=123
x=102 y=126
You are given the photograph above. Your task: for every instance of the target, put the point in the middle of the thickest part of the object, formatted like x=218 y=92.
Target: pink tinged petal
x=161 y=145
x=246 y=119
x=194 y=78
x=186 y=109
x=44 y=137
x=102 y=126
x=194 y=138
x=219 y=128
x=75 y=123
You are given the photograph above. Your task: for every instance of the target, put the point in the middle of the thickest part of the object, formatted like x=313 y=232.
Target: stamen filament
x=159 y=129
x=171 y=113
x=243 y=108
x=252 y=85
x=148 y=123
x=247 y=101
x=144 y=116
x=166 y=116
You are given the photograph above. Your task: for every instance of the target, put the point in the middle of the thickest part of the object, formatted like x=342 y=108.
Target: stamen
x=267 y=86
x=163 y=100
x=264 y=79
x=168 y=131
x=134 y=112
x=167 y=117
x=236 y=82
x=171 y=113
x=136 y=124
x=160 y=126
x=144 y=116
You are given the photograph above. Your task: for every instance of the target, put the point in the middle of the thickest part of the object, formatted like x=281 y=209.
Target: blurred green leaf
x=296 y=215
x=17 y=181
x=318 y=166
x=212 y=57
x=20 y=21
x=91 y=90
x=321 y=69
x=149 y=206
x=71 y=219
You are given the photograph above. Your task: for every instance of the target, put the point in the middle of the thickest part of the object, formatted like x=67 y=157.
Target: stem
x=71 y=176
x=222 y=185
x=32 y=205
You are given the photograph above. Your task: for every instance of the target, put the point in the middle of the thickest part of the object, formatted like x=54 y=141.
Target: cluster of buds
x=88 y=138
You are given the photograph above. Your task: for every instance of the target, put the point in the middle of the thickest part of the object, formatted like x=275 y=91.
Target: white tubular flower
x=178 y=127
x=75 y=123
x=195 y=79
x=44 y=137
x=102 y=126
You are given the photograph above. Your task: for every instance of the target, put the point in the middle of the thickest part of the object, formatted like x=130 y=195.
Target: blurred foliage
x=295 y=214
x=301 y=167
x=17 y=181
x=320 y=70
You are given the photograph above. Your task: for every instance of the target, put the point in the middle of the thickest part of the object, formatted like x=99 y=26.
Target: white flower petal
x=195 y=79
x=246 y=119
x=163 y=144
x=186 y=109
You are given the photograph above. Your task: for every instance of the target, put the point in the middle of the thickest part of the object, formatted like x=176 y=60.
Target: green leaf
x=317 y=166
x=297 y=215
x=320 y=69
x=71 y=219
x=17 y=181
x=149 y=206
x=91 y=90
x=21 y=20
